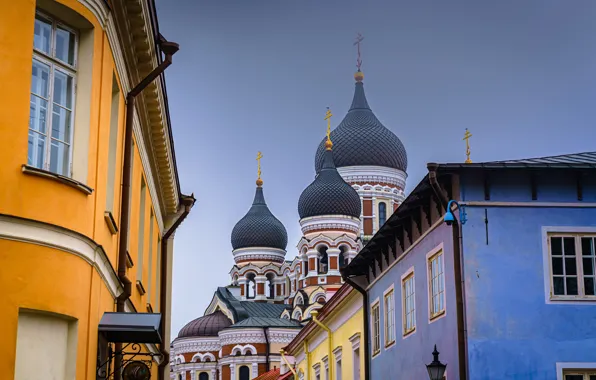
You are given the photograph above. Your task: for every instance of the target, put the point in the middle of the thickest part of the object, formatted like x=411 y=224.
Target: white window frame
x=569 y=368
x=375 y=327
x=430 y=257
x=389 y=318
x=67 y=69
x=550 y=297
x=409 y=274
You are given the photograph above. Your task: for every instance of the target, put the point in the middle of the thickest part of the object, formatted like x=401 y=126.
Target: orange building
x=89 y=194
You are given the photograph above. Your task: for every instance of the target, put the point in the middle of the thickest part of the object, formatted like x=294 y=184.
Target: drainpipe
x=265 y=330
x=314 y=315
x=307 y=358
x=187 y=202
x=457 y=274
x=366 y=325
x=169 y=49
x=283 y=356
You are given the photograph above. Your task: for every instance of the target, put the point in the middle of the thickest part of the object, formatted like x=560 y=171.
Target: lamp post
x=436 y=369
x=449 y=218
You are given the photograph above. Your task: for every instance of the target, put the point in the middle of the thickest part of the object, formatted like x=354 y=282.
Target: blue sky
x=257 y=75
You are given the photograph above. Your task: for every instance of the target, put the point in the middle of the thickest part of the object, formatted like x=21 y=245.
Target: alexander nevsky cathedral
x=361 y=177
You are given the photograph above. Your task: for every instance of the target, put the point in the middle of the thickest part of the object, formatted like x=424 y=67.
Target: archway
x=270 y=289
x=204 y=376
x=250 y=285
x=343 y=260
x=323 y=260
x=244 y=373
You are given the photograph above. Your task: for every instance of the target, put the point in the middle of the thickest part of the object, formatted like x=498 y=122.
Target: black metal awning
x=131 y=327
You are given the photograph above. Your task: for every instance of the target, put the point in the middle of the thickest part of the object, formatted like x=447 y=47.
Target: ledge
x=149 y=308
x=140 y=288
x=129 y=262
x=30 y=170
x=111 y=222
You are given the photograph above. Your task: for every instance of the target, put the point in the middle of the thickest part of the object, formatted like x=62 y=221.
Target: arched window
x=382 y=213
x=343 y=260
x=244 y=373
x=287 y=289
x=323 y=259
x=204 y=376
x=180 y=377
x=235 y=280
x=270 y=286
x=250 y=286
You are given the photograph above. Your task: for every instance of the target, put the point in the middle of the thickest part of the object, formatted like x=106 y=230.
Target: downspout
x=188 y=202
x=457 y=274
x=307 y=358
x=366 y=325
x=314 y=315
x=265 y=330
x=169 y=49
x=283 y=357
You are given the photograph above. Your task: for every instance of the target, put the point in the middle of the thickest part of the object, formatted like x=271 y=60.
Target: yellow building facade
x=328 y=347
x=67 y=68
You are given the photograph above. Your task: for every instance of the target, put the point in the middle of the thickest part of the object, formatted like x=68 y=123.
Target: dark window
x=382 y=213
x=203 y=376
x=244 y=373
x=323 y=260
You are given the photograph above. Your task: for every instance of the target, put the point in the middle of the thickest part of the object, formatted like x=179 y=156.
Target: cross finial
x=467 y=136
x=328 y=143
x=359 y=39
x=259 y=180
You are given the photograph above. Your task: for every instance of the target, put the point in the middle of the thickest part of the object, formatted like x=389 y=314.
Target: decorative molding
x=282 y=336
x=237 y=336
x=200 y=357
x=243 y=349
x=48 y=235
x=186 y=345
x=373 y=174
x=337 y=353
x=355 y=340
x=330 y=222
x=33 y=171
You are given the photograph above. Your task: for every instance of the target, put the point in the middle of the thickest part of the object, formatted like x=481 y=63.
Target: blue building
x=509 y=293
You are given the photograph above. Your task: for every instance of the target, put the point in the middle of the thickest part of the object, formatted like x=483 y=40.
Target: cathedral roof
x=208 y=325
x=329 y=194
x=361 y=139
x=266 y=322
x=259 y=227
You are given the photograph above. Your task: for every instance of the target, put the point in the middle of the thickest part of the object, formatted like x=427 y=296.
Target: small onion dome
x=208 y=325
x=329 y=194
x=362 y=140
x=259 y=227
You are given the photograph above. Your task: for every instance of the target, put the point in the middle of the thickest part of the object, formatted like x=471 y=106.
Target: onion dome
x=361 y=139
x=208 y=325
x=259 y=227
x=329 y=194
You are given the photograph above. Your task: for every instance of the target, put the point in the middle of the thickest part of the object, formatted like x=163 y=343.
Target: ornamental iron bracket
x=131 y=353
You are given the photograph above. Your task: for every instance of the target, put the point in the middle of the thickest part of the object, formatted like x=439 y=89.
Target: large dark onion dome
x=208 y=325
x=259 y=228
x=329 y=194
x=361 y=139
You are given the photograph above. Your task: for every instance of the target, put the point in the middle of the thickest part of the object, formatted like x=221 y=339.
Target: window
x=580 y=375
x=436 y=285
x=244 y=373
x=338 y=369
x=52 y=90
x=573 y=262
x=113 y=144
x=376 y=327
x=203 y=376
x=356 y=363
x=382 y=213
x=389 y=309
x=409 y=300
x=141 y=232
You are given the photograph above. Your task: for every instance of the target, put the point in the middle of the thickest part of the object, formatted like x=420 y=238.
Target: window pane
x=40 y=75
x=63 y=89
x=42 y=33
x=556 y=245
x=569 y=246
x=574 y=377
x=59 y=158
x=65 y=43
x=38 y=110
x=36 y=150
x=570 y=267
x=587 y=246
x=558 y=285
x=588 y=266
x=571 y=286
x=589 y=285
x=61 y=124
x=557 y=265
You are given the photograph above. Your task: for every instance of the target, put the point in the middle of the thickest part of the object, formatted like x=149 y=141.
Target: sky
x=258 y=75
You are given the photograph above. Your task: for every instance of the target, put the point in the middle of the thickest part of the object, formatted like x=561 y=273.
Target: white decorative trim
x=373 y=174
x=433 y=252
x=255 y=370
x=330 y=222
x=337 y=353
x=259 y=253
x=572 y=300
x=325 y=361
x=282 y=336
x=317 y=368
x=236 y=336
x=179 y=359
x=201 y=357
x=355 y=340
x=47 y=235
x=242 y=360
x=561 y=366
x=244 y=349
x=185 y=345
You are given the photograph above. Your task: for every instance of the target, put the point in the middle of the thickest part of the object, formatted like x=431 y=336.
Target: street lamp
x=449 y=218
x=436 y=369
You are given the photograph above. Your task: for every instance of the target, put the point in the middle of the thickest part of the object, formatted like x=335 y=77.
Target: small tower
x=259 y=243
x=329 y=210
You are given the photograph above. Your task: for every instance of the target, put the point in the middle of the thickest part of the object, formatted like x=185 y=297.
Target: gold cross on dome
x=467 y=136
x=259 y=156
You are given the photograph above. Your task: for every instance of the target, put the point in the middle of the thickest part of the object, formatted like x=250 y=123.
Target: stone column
x=255 y=370
x=313 y=257
x=374 y=215
x=232 y=371
x=213 y=374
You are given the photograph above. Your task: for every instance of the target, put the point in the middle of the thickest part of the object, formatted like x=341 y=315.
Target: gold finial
x=467 y=139
x=328 y=143
x=259 y=180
